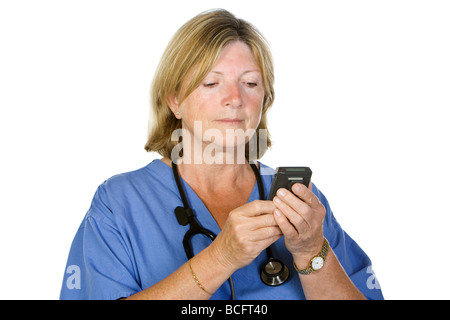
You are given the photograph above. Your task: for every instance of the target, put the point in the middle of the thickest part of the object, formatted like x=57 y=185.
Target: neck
x=209 y=166
x=215 y=177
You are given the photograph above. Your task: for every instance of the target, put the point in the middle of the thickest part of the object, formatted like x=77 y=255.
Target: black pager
x=286 y=177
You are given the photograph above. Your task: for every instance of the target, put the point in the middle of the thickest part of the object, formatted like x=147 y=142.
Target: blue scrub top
x=130 y=239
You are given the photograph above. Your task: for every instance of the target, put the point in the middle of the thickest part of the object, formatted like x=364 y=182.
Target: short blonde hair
x=193 y=51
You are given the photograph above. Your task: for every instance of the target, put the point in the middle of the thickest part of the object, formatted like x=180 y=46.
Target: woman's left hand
x=300 y=218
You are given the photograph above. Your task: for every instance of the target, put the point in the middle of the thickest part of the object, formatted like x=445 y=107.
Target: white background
x=362 y=89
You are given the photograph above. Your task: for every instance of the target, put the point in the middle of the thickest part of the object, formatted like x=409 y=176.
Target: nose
x=233 y=96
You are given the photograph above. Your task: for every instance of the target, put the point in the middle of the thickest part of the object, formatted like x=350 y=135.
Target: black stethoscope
x=273 y=271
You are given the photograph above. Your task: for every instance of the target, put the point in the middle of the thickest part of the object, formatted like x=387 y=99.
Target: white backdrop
x=362 y=89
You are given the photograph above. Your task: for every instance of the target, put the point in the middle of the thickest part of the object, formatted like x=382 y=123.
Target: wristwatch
x=316 y=262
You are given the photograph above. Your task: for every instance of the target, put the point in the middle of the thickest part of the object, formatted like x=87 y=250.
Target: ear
x=172 y=100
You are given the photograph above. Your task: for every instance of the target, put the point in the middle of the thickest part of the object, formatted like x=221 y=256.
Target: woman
x=213 y=88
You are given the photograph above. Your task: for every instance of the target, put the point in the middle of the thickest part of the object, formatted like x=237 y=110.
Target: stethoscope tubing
x=196 y=228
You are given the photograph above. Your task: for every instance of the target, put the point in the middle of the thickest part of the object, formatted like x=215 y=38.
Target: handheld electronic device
x=286 y=177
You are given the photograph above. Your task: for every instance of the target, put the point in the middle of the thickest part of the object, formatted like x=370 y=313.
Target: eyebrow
x=245 y=72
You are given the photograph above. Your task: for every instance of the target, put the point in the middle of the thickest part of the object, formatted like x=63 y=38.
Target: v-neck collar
x=202 y=213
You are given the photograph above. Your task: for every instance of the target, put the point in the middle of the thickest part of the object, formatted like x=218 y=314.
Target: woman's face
x=229 y=98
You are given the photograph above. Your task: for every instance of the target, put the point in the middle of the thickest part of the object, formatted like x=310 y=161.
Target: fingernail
x=281 y=192
x=297 y=187
x=276 y=200
x=277 y=212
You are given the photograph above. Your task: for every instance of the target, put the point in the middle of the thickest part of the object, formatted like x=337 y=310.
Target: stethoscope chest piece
x=274 y=272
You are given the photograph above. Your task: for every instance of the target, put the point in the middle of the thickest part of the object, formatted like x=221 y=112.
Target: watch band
x=322 y=254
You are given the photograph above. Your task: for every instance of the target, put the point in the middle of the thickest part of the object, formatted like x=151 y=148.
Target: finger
x=310 y=207
x=262 y=221
x=298 y=205
x=263 y=244
x=291 y=208
x=257 y=207
x=305 y=194
x=267 y=233
x=285 y=226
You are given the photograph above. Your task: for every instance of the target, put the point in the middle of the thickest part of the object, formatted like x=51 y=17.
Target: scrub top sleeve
x=109 y=271
x=353 y=259
x=101 y=256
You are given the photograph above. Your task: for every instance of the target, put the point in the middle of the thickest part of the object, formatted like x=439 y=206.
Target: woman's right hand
x=248 y=230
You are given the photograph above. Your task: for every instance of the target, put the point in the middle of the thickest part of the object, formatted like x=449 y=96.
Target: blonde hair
x=193 y=51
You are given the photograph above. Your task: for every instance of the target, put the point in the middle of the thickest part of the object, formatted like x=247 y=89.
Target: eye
x=251 y=84
x=210 y=84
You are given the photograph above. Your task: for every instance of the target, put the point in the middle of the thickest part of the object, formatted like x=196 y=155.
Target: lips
x=230 y=121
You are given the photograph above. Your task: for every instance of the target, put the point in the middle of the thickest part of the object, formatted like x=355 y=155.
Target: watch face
x=317 y=263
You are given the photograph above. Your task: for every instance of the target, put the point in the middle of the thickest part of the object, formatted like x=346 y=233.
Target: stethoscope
x=273 y=272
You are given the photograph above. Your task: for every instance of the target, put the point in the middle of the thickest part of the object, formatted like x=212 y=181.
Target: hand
x=248 y=230
x=301 y=221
